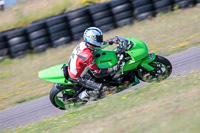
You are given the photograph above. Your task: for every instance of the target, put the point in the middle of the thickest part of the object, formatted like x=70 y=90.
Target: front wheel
x=162 y=70
x=61 y=96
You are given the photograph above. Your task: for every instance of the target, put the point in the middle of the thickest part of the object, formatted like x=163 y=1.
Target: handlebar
x=123 y=45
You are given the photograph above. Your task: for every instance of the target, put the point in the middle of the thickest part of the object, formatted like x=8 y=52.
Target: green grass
x=166 y=34
x=24 y=13
x=169 y=106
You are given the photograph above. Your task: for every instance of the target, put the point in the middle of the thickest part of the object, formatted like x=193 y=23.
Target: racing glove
x=112 y=40
x=115 y=68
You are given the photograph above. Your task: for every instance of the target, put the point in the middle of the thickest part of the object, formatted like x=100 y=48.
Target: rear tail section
x=54 y=74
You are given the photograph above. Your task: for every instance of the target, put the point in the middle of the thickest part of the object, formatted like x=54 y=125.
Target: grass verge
x=169 y=106
x=166 y=34
x=26 y=12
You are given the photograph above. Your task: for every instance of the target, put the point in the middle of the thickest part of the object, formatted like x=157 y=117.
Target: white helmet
x=93 y=36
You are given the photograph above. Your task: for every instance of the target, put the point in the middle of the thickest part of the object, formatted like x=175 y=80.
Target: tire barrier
x=122 y=12
x=143 y=9
x=163 y=5
x=38 y=36
x=64 y=28
x=102 y=17
x=185 y=3
x=59 y=31
x=79 y=20
x=3 y=46
x=18 y=42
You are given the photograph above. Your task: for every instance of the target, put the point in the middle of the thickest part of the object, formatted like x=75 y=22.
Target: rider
x=82 y=59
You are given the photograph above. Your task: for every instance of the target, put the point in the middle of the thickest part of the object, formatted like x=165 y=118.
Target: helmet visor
x=99 y=38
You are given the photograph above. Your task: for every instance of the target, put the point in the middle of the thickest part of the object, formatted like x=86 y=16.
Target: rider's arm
x=112 y=40
x=99 y=73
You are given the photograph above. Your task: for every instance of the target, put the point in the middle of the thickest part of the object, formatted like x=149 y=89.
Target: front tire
x=162 y=70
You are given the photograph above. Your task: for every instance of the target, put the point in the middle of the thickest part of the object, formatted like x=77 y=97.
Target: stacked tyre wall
x=102 y=16
x=79 y=20
x=122 y=12
x=64 y=28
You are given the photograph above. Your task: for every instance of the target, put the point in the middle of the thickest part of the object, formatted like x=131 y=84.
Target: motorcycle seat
x=65 y=70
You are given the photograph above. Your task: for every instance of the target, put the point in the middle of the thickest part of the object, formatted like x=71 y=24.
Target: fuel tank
x=105 y=58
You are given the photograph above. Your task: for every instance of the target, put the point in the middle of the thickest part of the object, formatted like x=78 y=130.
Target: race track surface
x=41 y=108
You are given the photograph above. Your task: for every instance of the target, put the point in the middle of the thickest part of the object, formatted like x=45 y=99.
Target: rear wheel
x=61 y=97
x=162 y=70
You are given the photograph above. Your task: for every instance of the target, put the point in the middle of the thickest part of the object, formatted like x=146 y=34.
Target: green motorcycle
x=136 y=63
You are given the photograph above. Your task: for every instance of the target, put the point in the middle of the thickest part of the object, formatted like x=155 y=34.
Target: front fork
x=145 y=62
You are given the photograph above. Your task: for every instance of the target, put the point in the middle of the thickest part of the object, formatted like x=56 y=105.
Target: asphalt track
x=41 y=108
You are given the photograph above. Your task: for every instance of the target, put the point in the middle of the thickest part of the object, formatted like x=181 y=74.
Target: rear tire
x=163 y=69
x=58 y=96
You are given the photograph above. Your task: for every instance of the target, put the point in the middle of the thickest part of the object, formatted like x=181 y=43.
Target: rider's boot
x=94 y=91
x=93 y=88
x=84 y=96
x=87 y=94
